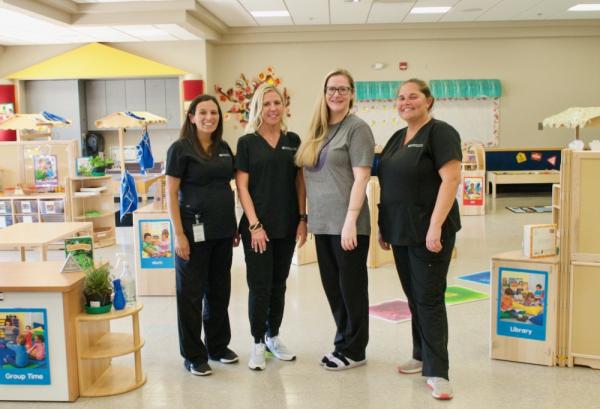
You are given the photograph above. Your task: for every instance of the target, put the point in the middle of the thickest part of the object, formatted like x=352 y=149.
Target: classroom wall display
x=156 y=244
x=241 y=94
x=24 y=349
x=473 y=191
x=470 y=106
x=45 y=170
x=522 y=303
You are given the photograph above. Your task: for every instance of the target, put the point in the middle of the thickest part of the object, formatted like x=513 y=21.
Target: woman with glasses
x=337 y=158
x=419 y=173
x=272 y=193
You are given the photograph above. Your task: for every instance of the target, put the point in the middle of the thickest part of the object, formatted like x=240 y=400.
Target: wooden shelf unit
x=97 y=345
x=103 y=202
x=35 y=208
x=471 y=192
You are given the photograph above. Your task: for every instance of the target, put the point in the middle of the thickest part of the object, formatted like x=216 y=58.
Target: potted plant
x=99 y=165
x=97 y=289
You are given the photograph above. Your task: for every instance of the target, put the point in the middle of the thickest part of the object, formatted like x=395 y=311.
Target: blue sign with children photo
x=522 y=303
x=24 y=358
x=156 y=244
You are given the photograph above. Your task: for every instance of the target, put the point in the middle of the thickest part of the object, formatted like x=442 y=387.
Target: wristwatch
x=303 y=217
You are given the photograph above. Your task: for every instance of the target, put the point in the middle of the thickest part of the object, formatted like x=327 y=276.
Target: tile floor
x=308 y=329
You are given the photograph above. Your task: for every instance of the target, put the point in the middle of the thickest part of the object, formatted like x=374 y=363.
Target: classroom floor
x=308 y=329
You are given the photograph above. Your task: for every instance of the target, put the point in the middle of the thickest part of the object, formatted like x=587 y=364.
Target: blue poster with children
x=522 y=303
x=156 y=244
x=24 y=358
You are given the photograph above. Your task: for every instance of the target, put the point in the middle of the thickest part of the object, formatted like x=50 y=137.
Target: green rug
x=457 y=295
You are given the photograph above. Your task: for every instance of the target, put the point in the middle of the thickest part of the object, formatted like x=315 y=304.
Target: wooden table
x=41 y=286
x=40 y=235
x=498 y=177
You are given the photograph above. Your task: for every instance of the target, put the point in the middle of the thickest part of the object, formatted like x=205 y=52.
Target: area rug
x=397 y=311
x=456 y=294
x=530 y=209
x=482 y=277
x=392 y=311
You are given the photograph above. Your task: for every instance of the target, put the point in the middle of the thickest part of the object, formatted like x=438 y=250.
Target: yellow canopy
x=574 y=118
x=139 y=119
x=95 y=61
x=34 y=122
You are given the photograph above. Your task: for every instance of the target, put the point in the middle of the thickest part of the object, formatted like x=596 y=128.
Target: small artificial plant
x=97 y=285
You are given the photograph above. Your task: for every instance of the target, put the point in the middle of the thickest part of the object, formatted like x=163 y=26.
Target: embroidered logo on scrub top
x=224 y=155
x=415 y=145
x=289 y=148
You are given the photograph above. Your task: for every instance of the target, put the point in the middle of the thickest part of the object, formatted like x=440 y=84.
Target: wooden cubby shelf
x=97 y=345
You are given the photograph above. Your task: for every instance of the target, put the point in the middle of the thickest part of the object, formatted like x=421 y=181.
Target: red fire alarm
x=403 y=65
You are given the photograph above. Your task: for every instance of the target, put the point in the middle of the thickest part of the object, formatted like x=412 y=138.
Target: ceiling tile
x=229 y=12
x=508 y=10
x=389 y=12
x=305 y=12
x=342 y=12
x=468 y=10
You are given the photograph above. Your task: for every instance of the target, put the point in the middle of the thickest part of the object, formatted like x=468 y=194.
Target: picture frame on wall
x=45 y=168
x=83 y=166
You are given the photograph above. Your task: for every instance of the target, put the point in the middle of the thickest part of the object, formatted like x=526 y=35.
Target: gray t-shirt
x=328 y=185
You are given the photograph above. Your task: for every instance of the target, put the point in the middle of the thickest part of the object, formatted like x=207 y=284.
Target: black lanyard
x=329 y=140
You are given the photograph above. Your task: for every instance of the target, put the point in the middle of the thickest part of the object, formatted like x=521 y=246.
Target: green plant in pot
x=97 y=289
x=99 y=165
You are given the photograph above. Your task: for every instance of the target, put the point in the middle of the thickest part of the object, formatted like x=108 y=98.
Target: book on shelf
x=85 y=194
x=93 y=189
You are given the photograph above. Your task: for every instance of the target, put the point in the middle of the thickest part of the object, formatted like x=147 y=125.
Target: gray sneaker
x=441 y=388
x=257 y=357
x=410 y=367
x=277 y=348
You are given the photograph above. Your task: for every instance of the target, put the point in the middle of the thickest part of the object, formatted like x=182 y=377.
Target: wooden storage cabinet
x=47 y=207
x=97 y=345
x=101 y=203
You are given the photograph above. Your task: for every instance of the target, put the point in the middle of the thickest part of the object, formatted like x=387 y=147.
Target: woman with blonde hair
x=337 y=158
x=271 y=190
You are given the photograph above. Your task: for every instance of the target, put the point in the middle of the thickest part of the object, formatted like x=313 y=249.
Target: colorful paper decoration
x=243 y=90
x=521 y=157
x=537 y=156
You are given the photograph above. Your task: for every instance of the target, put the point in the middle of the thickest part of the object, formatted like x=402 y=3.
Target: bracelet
x=303 y=217
x=256 y=226
x=256 y=230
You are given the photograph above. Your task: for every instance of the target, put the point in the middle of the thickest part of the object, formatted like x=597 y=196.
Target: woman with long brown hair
x=200 y=201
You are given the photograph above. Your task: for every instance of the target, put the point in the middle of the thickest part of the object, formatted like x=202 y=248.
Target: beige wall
x=540 y=76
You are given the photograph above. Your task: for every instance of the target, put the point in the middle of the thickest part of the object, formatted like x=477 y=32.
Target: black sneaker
x=201 y=369
x=228 y=357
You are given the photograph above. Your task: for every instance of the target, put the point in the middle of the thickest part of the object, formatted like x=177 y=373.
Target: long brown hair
x=189 y=132
x=319 y=125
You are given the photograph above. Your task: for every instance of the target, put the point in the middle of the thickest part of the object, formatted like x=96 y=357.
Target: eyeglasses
x=343 y=91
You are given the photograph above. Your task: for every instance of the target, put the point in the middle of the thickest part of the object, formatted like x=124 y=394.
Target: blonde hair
x=319 y=124
x=256 y=107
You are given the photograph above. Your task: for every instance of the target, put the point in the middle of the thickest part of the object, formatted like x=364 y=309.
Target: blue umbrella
x=144 y=152
x=129 y=197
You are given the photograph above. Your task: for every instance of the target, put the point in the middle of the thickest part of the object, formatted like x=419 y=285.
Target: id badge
x=198 y=230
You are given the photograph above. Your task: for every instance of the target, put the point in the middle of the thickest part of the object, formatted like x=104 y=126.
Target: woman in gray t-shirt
x=337 y=158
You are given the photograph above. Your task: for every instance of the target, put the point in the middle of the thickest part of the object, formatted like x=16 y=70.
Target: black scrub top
x=204 y=190
x=272 y=182
x=409 y=180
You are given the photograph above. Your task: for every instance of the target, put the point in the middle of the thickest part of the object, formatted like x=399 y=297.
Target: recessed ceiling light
x=270 y=13
x=429 y=10
x=586 y=7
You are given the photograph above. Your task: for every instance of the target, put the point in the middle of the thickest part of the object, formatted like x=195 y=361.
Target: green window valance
x=376 y=90
x=454 y=89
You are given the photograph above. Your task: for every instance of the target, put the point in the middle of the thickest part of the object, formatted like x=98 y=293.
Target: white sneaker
x=278 y=349
x=410 y=367
x=441 y=388
x=257 y=357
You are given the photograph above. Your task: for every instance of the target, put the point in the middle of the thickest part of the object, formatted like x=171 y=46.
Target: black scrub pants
x=423 y=278
x=203 y=291
x=345 y=281
x=267 y=274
